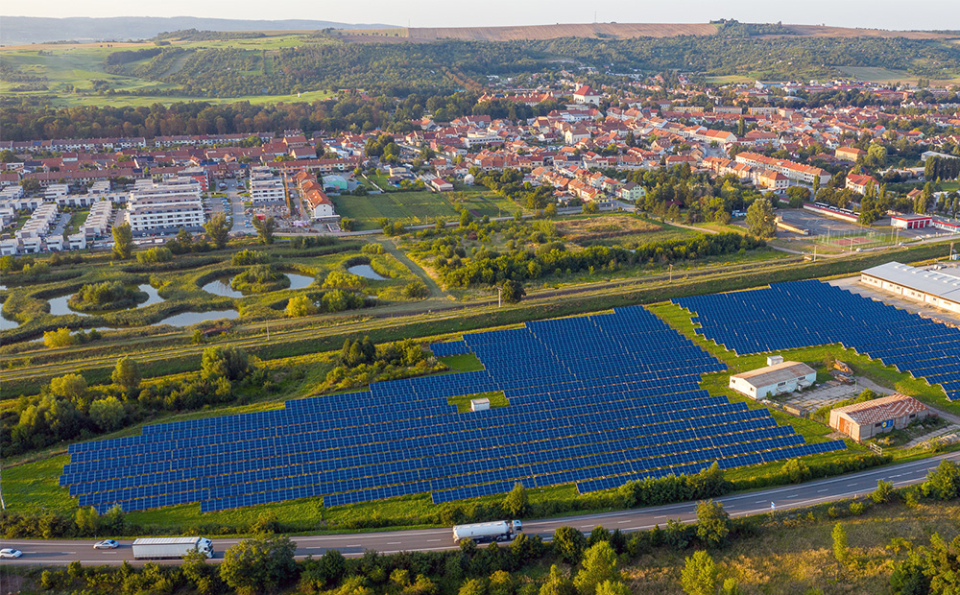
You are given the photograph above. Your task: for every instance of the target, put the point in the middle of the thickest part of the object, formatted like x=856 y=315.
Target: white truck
x=170 y=547
x=493 y=531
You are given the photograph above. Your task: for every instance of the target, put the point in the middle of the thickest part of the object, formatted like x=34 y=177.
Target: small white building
x=773 y=380
x=479 y=404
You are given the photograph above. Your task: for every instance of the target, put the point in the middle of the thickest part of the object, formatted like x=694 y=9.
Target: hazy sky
x=881 y=14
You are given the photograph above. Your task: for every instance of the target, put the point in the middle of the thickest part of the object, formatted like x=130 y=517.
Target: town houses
x=582 y=140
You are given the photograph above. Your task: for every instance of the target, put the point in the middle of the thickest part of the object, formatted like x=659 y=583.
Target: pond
x=366 y=271
x=188 y=318
x=221 y=287
x=59 y=307
x=6 y=324
x=299 y=281
x=152 y=292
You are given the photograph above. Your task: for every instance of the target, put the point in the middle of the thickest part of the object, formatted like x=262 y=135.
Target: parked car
x=9 y=552
x=106 y=544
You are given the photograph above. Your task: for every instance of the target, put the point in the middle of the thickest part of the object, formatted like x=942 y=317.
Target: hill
x=24 y=30
x=617 y=31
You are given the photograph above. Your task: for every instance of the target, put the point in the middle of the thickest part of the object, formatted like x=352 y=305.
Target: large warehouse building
x=862 y=421
x=929 y=287
x=784 y=377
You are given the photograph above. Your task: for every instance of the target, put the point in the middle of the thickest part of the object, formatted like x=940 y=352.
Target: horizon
x=926 y=15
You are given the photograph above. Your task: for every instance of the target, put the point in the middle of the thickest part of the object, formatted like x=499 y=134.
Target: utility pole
x=499 y=297
x=671 y=273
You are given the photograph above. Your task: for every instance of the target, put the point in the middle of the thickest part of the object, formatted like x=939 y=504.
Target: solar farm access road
x=62 y=552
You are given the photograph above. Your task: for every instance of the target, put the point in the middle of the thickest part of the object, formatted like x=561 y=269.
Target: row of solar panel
x=544 y=474
x=304 y=430
x=589 y=433
x=629 y=349
x=922 y=347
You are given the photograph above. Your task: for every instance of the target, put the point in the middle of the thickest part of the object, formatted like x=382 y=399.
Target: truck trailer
x=170 y=547
x=481 y=532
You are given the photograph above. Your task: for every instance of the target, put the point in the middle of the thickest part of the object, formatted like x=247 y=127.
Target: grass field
x=420 y=208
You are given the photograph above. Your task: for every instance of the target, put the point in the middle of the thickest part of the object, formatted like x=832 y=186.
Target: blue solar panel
x=596 y=400
x=807 y=313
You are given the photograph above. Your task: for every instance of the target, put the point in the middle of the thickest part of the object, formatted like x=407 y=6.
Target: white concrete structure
x=928 y=287
x=772 y=380
x=55 y=190
x=479 y=404
x=76 y=200
x=40 y=221
x=98 y=220
x=100 y=187
x=169 y=206
x=267 y=191
x=479 y=138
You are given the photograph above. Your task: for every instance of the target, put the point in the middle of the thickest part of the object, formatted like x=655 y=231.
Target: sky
x=879 y=14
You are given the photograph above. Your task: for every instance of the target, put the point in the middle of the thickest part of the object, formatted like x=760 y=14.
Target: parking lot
x=817 y=224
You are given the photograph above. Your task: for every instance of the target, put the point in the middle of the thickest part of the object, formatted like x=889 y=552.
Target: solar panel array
x=595 y=400
x=807 y=313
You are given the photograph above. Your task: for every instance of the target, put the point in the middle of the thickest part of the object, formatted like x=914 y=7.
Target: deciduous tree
x=259 y=565
x=761 y=220
x=218 y=229
x=122 y=241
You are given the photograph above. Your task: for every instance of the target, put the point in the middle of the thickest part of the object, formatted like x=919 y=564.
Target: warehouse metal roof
x=882 y=409
x=775 y=374
x=931 y=282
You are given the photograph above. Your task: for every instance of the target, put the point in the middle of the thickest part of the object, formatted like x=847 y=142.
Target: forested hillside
x=407 y=67
x=193 y=65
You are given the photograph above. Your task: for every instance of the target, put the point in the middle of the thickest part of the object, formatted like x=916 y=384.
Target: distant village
x=582 y=150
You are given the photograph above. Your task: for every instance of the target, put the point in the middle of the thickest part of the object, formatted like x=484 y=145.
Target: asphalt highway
x=62 y=552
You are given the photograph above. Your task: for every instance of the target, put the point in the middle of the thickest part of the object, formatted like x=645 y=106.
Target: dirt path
x=435 y=291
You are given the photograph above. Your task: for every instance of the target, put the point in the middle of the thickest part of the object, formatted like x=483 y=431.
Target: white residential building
x=54 y=191
x=98 y=220
x=40 y=221
x=169 y=206
x=267 y=190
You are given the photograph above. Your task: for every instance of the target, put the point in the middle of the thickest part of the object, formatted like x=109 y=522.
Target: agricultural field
x=69 y=72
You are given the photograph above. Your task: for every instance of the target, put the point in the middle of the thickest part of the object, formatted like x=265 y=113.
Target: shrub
x=59 y=338
x=250 y=257
x=415 y=290
x=109 y=295
x=261 y=278
x=155 y=255
x=300 y=305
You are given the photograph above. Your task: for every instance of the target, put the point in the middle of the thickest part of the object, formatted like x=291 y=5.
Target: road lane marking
x=622 y=522
x=792 y=496
x=432 y=540
x=823 y=490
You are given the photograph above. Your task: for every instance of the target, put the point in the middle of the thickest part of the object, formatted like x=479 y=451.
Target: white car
x=8 y=552
x=106 y=544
